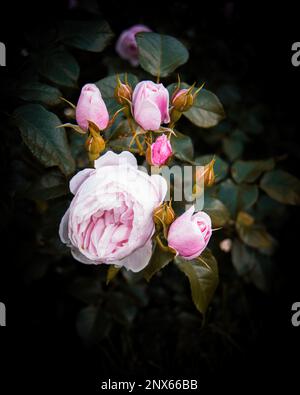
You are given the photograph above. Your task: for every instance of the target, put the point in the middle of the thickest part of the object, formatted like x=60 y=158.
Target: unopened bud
x=123 y=92
x=207 y=173
x=183 y=100
x=94 y=144
x=164 y=214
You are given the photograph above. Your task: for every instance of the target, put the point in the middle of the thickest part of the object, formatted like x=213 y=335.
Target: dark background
x=250 y=45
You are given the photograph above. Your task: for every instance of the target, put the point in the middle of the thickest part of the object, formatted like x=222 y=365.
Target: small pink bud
x=160 y=151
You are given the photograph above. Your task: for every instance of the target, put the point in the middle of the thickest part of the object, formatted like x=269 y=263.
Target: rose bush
x=118 y=217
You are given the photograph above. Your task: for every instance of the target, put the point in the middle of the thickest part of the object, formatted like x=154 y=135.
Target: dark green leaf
x=254 y=235
x=217 y=211
x=40 y=133
x=233 y=147
x=207 y=110
x=220 y=166
x=203 y=276
x=58 y=66
x=160 y=54
x=237 y=197
x=182 y=146
x=249 y=171
x=38 y=92
x=49 y=186
x=251 y=265
x=91 y=36
x=157 y=262
x=281 y=186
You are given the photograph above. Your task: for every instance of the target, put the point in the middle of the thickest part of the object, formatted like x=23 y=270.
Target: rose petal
x=112 y=159
x=138 y=259
x=78 y=179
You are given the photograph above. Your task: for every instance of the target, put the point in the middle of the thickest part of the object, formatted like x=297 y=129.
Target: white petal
x=112 y=159
x=78 y=179
x=63 y=228
x=161 y=186
x=138 y=259
x=82 y=258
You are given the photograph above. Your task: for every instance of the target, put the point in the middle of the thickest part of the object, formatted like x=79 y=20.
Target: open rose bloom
x=110 y=217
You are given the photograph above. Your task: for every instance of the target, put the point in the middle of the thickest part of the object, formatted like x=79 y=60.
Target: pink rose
x=150 y=103
x=110 y=217
x=91 y=107
x=160 y=151
x=126 y=45
x=189 y=234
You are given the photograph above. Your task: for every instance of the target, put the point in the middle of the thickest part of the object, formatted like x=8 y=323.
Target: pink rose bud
x=126 y=45
x=91 y=107
x=160 y=151
x=150 y=104
x=183 y=100
x=189 y=234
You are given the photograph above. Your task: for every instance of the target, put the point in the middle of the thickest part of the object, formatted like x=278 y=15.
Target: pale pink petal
x=112 y=159
x=63 y=227
x=139 y=259
x=78 y=179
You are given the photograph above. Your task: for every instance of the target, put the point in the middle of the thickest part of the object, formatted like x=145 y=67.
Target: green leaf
x=233 y=147
x=207 y=110
x=249 y=171
x=58 y=66
x=251 y=233
x=107 y=87
x=46 y=142
x=157 y=262
x=111 y=273
x=217 y=211
x=182 y=146
x=220 y=166
x=49 y=186
x=38 y=92
x=281 y=186
x=203 y=276
x=251 y=265
x=91 y=36
x=237 y=197
x=160 y=54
